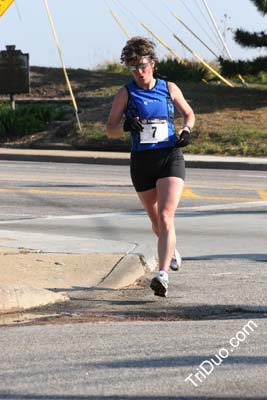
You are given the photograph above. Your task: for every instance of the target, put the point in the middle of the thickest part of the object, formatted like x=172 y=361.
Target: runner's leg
x=149 y=201
x=169 y=191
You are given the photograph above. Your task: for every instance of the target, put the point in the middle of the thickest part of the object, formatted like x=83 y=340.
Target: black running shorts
x=150 y=165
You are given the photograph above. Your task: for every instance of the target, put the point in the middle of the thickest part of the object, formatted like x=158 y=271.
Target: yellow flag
x=4 y=4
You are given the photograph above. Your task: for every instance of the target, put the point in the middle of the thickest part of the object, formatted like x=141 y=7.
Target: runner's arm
x=119 y=105
x=181 y=105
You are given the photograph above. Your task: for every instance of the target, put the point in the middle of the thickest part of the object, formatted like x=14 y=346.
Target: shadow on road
x=262 y=257
x=23 y=396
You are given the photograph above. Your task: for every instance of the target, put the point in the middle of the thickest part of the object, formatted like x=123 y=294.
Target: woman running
x=157 y=162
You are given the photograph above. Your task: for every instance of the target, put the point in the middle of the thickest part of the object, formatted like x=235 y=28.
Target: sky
x=89 y=36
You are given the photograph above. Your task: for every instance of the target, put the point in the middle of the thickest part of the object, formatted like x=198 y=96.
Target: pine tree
x=255 y=39
x=248 y=39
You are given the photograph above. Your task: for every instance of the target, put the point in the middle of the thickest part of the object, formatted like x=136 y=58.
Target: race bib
x=154 y=132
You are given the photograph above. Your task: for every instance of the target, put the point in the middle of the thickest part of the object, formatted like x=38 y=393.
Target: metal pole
x=62 y=63
x=204 y=63
x=120 y=24
x=221 y=38
x=217 y=28
x=163 y=43
x=201 y=41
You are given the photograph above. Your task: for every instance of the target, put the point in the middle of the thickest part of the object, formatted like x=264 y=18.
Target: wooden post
x=12 y=102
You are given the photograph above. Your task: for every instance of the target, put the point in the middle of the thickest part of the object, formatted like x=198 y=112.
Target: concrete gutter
x=34 y=278
x=20 y=298
x=116 y=158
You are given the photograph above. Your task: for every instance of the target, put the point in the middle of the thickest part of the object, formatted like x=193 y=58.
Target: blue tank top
x=155 y=109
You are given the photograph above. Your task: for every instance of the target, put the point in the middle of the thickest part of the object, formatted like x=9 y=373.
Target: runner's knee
x=166 y=220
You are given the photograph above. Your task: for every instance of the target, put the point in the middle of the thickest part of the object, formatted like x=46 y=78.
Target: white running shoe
x=176 y=261
x=159 y=284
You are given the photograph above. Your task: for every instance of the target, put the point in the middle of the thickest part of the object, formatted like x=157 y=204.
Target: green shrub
x=26 y=119
x=168 y=68
x=260 y=78
x=173 y=70
x=244 y=67
x=114 y=67
x=262 y=149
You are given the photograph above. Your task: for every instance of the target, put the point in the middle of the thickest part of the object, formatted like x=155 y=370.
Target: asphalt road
x=222 y=212
x=41 y=189
x=140 y=360
x=222 y=216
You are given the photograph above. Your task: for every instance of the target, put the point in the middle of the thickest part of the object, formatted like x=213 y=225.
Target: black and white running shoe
x=159 y=284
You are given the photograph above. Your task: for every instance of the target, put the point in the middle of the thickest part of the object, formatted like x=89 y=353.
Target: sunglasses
x=134 y=68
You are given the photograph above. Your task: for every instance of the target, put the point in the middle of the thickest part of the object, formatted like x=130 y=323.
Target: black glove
x=132 y=125
x=184 y=139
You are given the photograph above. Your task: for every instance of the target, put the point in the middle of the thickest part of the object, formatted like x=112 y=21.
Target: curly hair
x=138 y=47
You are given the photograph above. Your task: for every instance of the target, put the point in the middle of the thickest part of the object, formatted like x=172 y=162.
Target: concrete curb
x=125 y=273
x=116 y=158
x=226 y=164
x=129 y=269
x=65 y=156
x=18 y=298
x=66 y=159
